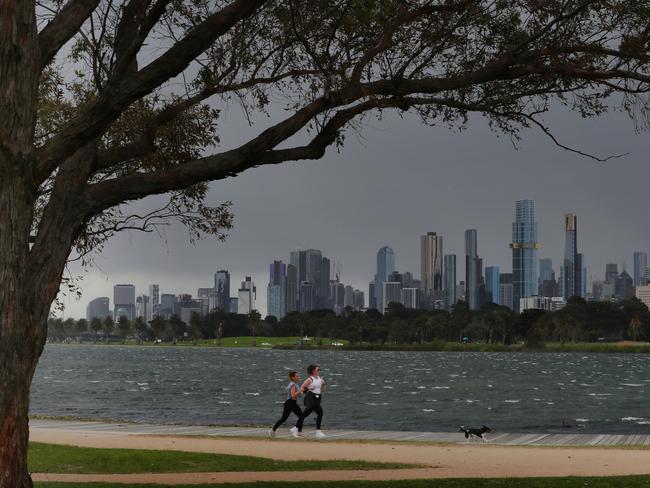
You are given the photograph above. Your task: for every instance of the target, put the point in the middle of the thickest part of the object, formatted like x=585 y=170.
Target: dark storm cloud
x=403 y=179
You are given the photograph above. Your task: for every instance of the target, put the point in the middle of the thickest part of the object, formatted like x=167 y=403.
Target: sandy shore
x=439 y=461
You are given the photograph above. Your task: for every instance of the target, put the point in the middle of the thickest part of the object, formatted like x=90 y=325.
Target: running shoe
x=320 y=434
x=294 y=432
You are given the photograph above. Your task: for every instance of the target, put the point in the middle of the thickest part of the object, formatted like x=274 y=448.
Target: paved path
x=570 y=438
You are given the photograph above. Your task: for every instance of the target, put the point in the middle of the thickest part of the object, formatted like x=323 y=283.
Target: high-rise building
x=314 y=272
x=222 y=290
x=359 y=300
x=348 y=298
x=143 y=308
x=450 y=280
x=492 y=290
x=611 y=273
x=572 y=267
x=385 y=266
x=324 y=288
x=643 y=293
x=306 y=296
x=292 y=288
x=154 y=293
x=298 y=260
x=431 y=268
x=392 y=293
x=208 y=299
x=247 y=294
x=337 y=294
x=98 y=308
x=124 y=301
x=372 y=297
x=506 y=290
x=167 y=303
x=624 y=286
x=524 y=252
x=640 y=265
x=410 y=298
x=276 y=291
x=474 y=285
x=546 y=272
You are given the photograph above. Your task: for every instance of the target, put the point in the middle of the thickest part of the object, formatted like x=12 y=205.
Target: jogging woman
x=290 y=404
x=313 y=387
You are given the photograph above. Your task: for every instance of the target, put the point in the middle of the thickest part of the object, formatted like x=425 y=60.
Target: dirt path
x=442 y=461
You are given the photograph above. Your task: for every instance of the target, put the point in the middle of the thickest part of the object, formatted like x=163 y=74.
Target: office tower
x=385 y=266
x=611 y=273
x=167 y=302
x=306 y=296
x=572 y=267
x=222 y=290
x=643 y=294
x=474 y=285
x=407 y=280
x=337 y=294
x=372 y=297
x=143 y=308
x=98 y=308
x=124 y=301
x=647 y=275
x=524 y=252
x=624 y=286
x=234 y=305
x=359 y=300
x=247 y=294
x=640 y=265
x=154 y=293
x=208 y=299
x=506 y=290
x=276 y=291
x=392 y=293
x=450 y=280
x=492 y=284
x=410 y=298
x=186 y=306
x=314 y=273
x=431 y=262
x=324 y=287
x=546 y=272
x=348 y=297
x=583 y=274
x=292 y=288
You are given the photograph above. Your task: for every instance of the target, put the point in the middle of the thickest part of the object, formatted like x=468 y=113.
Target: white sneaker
x=320 y=434
x=271 y=433
x=294 y=431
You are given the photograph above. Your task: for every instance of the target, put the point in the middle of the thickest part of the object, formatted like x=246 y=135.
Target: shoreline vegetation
x=307 y=344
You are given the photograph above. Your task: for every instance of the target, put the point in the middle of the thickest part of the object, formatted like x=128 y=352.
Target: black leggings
x=312 y=404
x=289 y=406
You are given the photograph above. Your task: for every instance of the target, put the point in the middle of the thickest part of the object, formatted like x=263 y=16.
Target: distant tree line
x=579 y=321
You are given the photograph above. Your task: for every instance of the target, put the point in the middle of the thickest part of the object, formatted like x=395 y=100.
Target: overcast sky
x=402 y=180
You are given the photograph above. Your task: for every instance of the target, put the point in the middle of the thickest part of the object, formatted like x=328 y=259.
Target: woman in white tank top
x=313 y=387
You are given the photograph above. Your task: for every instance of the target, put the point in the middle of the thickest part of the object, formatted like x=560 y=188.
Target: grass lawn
x=50 y=458
x=612 y=482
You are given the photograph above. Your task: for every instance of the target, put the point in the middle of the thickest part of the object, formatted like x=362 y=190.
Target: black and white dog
x=471 y=432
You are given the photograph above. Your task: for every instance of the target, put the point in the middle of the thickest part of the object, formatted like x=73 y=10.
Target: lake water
x=428 y=391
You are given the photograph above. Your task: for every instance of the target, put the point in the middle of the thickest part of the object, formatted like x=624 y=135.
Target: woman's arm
x=305 y=385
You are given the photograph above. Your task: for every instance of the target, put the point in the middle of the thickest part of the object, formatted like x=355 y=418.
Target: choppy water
x=608 y=393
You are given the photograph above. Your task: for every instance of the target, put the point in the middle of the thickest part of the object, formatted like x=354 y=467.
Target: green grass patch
x=51 y=458
x=605 y=482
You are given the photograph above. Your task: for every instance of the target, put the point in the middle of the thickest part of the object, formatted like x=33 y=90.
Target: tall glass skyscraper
x=572 y=276
x=524 y=252
x=473 y=270
x=385 y=266
x=276 y=294
x=492 y=274
x=222 y=290
x=450 y=280
x=431 y=259
x=640 y=265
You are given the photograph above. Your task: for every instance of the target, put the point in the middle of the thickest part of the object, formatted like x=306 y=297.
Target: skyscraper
x=154 y=293
x=572 y=268
x=450 y=280
x=474 y=287
x=298 y=260
x=222 y=290
x=506 y=290
x=324 y=288
x=247 y=294
x=524 y=252
x=292 y=288
x=385 y=266
x=306 y=296
x=124 y=301
x=431 y=262
x=276 y=292
x=640 y=265
x=98 y=308
x=492 y=289
x=372 y=296
x=546 y=272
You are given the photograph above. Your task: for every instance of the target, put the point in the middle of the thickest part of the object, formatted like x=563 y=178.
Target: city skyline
x=345 y=226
